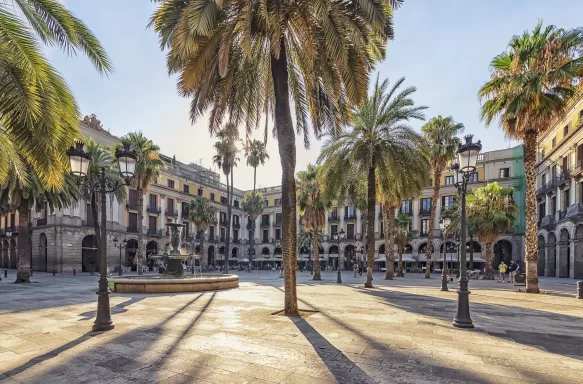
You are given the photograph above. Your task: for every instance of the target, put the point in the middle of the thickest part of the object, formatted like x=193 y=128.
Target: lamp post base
x=103 y=321
x=444 y=283
x=462 y=318
x=339 y=277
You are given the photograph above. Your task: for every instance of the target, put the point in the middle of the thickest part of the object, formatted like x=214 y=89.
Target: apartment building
x=559 y=196
x=64 y=240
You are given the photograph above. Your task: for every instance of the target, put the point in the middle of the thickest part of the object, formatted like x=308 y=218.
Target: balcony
x=222 y=239
x=277 y=223
x=213 y=239
x=132 y=205
x=133 y=229
x=548 y=222
x=236 y=241
x=577 y=168
x=350 y=217
x=154 y=209
x=575 y=212
x=424 y=211
x=265 y=224
x=171 y=213
x=223 y=222
x=333 y=218
x=350 y=236
x=154 y=232
x=562 y=177
x=236 y=225
x=422 y=234
x=413 y=234
x=405 y=212
x=41 y=222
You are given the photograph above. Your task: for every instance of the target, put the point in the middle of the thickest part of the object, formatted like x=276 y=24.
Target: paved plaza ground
x=398 y=332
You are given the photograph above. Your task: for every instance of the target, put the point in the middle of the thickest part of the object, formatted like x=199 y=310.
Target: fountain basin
x=165 y=284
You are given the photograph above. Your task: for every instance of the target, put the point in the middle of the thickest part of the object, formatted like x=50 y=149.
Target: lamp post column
x=103 y=320
x=462 y=318
x=444 y=267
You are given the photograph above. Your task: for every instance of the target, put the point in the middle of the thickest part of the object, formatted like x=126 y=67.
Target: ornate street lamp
x=444 y=223
x=467 y=157
x=338 y=237
x=121 y=246
x=79 y=167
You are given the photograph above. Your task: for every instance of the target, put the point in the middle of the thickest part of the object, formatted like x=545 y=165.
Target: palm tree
x=401 y=239
x=441 y=143
x=22 y=197
x=202 y=213
x=39 y=114
x=253 y=204
x=307 y=240
x=256 y=154
x=226 y=159
x=254 y=58
x=148 y=167
x=379 y=146
x=531 y=84
x=493 y=212
x=312 y=206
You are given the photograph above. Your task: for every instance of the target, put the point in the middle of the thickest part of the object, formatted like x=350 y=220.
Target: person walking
x=502 y=271
x=360 y=268
x=355 y=269
x=513 y=270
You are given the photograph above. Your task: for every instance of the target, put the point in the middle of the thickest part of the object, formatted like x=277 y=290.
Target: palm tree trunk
x=228 y=235
x=530 y=240
x=316 y=260
x=286 y=142
x=489 y=271
x=429 y=251
x=140 y=250
x=201 y=237
x=389 y=229
x=400 y=266
x=24 y=245
x=371 y=200
x=254 y=179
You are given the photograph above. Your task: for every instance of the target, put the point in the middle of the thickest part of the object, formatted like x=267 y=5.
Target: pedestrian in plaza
x=360 y=269
x=355 y=268
x=514 y=267
x=502 y=271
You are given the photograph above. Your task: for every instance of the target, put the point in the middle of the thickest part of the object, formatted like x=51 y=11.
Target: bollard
x=580 y=289
x=74 y=272
x=339 y=278
x=5 y=273
x=31 y=273
x=54 y=272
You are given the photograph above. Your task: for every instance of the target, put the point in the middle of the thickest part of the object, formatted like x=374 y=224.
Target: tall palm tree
x=202 y=213
x=102 y=157
x=531 y=84
x=39 y=114
x=148 y=167
x=248 y=58
x=401 y=236
x=441 y=143
x=312 y=206
x=493 y=213
x=22 y=198
x=253 y=204
x=373 y=152
x=256 y=154
x=226 y=159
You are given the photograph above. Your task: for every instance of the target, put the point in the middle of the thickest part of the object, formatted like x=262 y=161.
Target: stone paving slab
x=398 y=332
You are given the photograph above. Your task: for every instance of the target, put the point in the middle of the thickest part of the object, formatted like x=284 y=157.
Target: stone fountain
x=173 y=260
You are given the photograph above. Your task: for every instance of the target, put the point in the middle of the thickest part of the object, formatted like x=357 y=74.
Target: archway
x=502 y=252
x=382 y=250
x=234 y=253
x=552 y=256
x=151 y=249
x=349 y=256
x=333 y=250
x=211 y=255
x=89 y=258
x=131 y=248
x=564 y=253
x=578 y=262
x=277 y=251
x=265 y=251
x=541 y=255
x=13 y=254
x=43 y=255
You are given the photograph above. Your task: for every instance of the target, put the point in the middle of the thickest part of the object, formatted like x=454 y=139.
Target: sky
x=442 y=47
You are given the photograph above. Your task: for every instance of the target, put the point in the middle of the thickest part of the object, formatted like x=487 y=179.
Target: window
x=211 y=233
x=504 y=173
x=223 y=233
x=543 y=180
x=565 y=130
x=235 y=235
x=350 y=231
x=266 y=203
x=278 y=202
x=350 y=212
x=236 y=203
x=448 y=180
x=170 y=203
x=554 y=142
x=223 y=217
x=133 y=198
x=566 y=195
x=153 y=202
x=186 y=228
x=223 y=200
x=277 y=234
x=265 y=220
x=265 y=238
x=334 y=213
x=553 y=205
x=200 y=191
x=186 y=188
x=236 y=219
x=334 y=229
x=406 y=207
x=170 y=183
x=278 y=218
x=185 y=210
x=133 y=222
x=480 y=157
x=424 y=226
x=447 y=201
x=541 y=211
x=212 y=197
x=426 y=204
x=542 y=154
x=474 y=177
